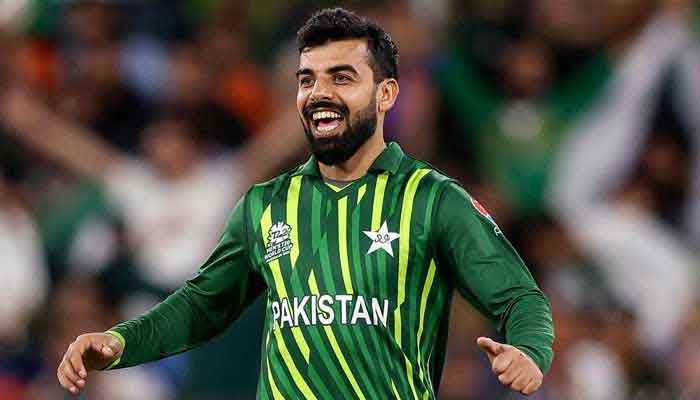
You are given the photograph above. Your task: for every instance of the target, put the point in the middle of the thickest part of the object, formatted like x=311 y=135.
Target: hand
x=514 y=368
x=92 y=351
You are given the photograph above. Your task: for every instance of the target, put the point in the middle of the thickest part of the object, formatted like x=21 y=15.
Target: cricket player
x=357 y=252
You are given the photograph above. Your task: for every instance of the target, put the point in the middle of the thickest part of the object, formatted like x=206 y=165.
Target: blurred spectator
x=685 y=363
x=614 y=217
x=80 y=306
x=508 y=95
x=171 y=225
x=98 y=98
x=92 y=87
x=23 y=267
x=190 y=88
x=240 y=85
x=14 y=14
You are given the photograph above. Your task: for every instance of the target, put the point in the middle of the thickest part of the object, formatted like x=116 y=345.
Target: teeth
x=325 y=114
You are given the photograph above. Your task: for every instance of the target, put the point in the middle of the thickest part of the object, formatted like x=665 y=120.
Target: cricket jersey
x=358 y=283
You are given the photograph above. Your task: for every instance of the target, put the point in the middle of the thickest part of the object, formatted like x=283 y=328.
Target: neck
x=357 y=165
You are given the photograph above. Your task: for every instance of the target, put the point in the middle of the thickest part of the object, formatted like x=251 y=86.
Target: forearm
x=56 y=138
x=529 y=327
x=203 y=308
x=177 y=324
x=276 y=138
x=490 y=274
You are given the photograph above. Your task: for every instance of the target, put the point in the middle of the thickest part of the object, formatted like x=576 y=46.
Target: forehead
x=351 y=51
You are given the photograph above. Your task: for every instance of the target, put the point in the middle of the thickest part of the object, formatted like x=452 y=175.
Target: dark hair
x=332 y=24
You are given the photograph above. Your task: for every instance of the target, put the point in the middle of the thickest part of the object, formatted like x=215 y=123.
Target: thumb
x=490 y=346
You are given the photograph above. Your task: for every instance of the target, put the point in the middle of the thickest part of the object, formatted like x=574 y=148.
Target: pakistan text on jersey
x=327 y=309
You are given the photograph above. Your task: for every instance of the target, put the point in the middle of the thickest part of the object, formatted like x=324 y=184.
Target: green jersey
x=358 y=283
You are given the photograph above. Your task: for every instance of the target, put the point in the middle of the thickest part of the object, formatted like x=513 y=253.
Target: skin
x=89 y=352
x=514 y=369
x=339 y=72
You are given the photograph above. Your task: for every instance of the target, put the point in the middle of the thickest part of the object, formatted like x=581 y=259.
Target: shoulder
x=452 y=196
x=456 y=204
x=270 y=188
x=430 y=175
x=250 y=206
x=277 y=182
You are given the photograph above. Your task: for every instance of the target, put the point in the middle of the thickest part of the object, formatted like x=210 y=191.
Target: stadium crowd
x=128 y=129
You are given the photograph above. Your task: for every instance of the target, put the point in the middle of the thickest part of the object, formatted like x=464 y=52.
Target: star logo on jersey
x=382 y=240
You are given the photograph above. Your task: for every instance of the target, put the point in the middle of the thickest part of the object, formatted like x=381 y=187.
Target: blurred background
x=129 y=128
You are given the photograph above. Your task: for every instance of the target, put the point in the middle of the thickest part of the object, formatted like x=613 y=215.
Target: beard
x=341 y=147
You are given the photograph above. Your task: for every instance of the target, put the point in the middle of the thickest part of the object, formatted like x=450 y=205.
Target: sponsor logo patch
x=482 y=210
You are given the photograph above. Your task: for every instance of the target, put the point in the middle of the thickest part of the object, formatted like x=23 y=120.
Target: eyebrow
x=304 y=71
x=331 y=70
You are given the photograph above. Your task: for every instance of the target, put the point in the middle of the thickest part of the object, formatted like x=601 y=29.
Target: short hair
x=333 y=24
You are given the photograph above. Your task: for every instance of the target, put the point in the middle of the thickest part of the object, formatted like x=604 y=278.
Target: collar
x=388 y=161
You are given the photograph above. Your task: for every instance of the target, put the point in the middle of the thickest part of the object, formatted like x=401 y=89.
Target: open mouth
x=326 y=121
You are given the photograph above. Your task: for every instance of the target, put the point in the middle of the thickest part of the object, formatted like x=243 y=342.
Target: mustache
x=311 y=107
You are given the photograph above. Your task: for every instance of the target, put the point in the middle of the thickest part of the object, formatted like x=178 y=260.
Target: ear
x=387 y=92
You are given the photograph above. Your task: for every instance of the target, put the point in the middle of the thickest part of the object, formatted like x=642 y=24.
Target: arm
x=56 y=138
x=203 y=308
x=489 y=273
x=278 y=142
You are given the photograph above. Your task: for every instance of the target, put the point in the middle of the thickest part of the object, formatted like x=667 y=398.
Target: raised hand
x=92 y=351
x=514 y=368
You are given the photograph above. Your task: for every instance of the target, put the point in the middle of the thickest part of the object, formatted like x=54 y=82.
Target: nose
x=321 y=91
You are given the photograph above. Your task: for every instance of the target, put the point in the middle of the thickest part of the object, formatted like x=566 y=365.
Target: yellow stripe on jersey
x=361 y=193
x=405 y=242
x=335 y=188
x=296 y=376
x=334 y=344
x=293 y=217
x=423 y=302
x=343 y=243
x=379 y=190
x=275 y=392
x=409 y=375
x=393 y=388
x=266 y=224
x=276 y=395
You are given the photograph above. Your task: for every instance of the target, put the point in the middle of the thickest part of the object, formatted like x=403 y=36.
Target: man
x=357 y=252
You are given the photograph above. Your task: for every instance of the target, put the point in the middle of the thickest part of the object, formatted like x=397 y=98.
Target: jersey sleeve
x=488 y=272
x=202 y=308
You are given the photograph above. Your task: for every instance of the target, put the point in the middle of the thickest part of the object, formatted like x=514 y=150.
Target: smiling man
x=357 y=252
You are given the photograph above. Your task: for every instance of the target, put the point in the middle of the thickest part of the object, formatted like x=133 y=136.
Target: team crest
x=382 y=240
x=279 y=243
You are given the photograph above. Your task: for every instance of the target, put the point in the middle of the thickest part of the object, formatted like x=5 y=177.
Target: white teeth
x=325 y=114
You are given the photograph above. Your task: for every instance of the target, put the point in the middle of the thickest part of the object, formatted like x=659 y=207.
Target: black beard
x=340 y=148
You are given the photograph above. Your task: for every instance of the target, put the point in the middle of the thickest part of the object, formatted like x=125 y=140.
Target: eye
x=306 y=81
x=340 y=78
